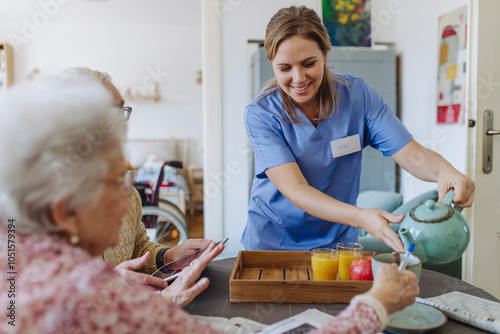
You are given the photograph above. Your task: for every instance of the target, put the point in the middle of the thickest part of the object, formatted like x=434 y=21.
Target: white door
x=482 y=259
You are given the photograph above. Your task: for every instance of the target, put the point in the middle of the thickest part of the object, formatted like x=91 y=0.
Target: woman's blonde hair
x=303 y=22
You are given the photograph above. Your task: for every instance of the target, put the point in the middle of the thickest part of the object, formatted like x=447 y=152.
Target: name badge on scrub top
x=345 y=146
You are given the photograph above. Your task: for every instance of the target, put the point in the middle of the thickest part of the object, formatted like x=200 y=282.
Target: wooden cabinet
x=6 y=67
x=195 y=175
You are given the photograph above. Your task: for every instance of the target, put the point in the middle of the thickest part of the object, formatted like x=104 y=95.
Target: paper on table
x=235 y=325
x=475 y=311
x=303 y=322
x=300 y=323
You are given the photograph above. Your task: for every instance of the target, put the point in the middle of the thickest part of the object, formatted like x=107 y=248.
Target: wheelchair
x=164 y=221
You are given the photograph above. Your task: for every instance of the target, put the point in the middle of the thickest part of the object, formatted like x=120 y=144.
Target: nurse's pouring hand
x=464 y=188
x=376 y=222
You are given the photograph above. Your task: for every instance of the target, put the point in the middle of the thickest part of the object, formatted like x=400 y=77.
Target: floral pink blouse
x=59 y=288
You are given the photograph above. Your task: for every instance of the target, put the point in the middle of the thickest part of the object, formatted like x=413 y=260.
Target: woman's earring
x=74 y=239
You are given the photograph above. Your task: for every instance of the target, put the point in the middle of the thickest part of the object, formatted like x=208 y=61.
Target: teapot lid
x=431 y=212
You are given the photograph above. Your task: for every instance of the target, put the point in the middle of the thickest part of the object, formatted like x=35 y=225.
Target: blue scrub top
x=274 y=223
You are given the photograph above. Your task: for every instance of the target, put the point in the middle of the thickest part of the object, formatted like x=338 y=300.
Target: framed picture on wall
x=348 y=22
x=452 y=67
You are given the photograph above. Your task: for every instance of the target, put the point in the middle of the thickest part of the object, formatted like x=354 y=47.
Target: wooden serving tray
x=286 y=277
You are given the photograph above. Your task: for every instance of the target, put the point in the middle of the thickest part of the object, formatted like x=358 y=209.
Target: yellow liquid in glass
x=345 y=259
x=325 y=266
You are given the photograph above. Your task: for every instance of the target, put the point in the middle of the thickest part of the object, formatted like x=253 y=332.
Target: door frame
x=478 y=269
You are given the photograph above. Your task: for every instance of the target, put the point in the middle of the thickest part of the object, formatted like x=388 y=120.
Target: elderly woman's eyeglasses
x=126 y=181
x=126 y=111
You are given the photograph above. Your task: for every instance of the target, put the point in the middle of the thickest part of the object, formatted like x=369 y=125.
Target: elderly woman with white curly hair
x=63 y=193
x=136 y=256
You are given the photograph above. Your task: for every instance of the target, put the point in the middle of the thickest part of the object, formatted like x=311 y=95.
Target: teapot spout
x=407 y=239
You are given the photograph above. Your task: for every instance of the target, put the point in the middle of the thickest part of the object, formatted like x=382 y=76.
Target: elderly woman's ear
x=66 y=220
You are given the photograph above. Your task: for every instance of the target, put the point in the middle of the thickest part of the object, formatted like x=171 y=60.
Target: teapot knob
x=430 y=204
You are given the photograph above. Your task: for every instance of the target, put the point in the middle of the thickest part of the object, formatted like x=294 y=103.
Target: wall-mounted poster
x=348 y=22
x=452 y=67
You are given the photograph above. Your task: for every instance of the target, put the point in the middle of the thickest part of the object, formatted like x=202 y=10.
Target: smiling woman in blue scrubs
x=307 y=129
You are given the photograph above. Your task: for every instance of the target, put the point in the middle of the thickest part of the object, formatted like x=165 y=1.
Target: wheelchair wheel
x=164 y=226
x=174 y=209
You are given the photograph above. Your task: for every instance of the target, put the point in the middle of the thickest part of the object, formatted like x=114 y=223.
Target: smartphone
x=181 y=263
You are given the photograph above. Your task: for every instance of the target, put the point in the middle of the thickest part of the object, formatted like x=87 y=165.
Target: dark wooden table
x=214 y=301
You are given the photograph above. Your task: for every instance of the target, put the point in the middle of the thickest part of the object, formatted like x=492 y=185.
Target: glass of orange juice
x=325 y=263
x=348 y=251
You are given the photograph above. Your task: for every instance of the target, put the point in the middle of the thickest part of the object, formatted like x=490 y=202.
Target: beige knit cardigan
x=134 y=241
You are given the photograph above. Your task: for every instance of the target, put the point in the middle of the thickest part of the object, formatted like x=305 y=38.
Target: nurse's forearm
x=320 y=205
x=421 y=162
x=373 y=221
x=291 y=183
x=427 y=165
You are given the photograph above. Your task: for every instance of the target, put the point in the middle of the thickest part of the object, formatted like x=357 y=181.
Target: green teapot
x=439 y=231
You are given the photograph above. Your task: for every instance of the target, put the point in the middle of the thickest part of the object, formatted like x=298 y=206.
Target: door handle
x=488 y=141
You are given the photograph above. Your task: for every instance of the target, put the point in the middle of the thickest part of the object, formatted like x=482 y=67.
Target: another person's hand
x=182 y=250
x=463 y=185
x=376 y=222
x=185 y=287
x=394 y=289
x=126 y=270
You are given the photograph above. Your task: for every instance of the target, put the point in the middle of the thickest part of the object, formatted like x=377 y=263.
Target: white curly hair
x=58 y=137
x=84 y=72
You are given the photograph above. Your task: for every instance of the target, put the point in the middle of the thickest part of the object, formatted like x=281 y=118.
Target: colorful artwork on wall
x=348 y=22
x=452 y=67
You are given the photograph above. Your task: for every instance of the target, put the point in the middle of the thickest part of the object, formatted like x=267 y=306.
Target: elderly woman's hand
x=394 y=289
x=126 y=270
x=185 y=288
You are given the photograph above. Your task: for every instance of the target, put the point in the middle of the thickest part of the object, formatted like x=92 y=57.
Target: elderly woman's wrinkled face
x=99 y=226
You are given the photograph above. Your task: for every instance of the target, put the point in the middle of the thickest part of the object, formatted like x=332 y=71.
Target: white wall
x=417 y=44
x=128 y=39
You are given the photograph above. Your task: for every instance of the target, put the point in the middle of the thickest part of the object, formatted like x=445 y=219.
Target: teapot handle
x=448 y=199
